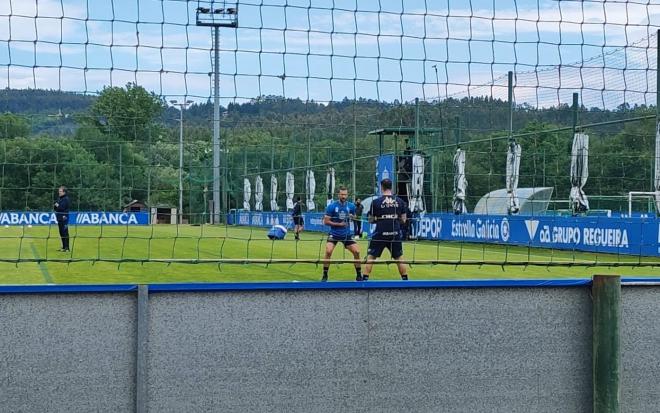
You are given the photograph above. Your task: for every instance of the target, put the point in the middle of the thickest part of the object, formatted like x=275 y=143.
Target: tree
x=12 y=126
x=39 y=165
x=126 y=113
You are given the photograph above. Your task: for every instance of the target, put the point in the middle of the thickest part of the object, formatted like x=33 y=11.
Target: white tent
x=417 y=199
x=330 y=185
x=258 y=194
x=579 y=172
x=289 y=190
x=460 y=183
x=273 y=194
x=310 y=189
x=512 y=174
x=247 y=194
x=657 y=169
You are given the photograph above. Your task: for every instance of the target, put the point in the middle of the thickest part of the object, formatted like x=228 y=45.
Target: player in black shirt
x=388 y=212
x=298 y=220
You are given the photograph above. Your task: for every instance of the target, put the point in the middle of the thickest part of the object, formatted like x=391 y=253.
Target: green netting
x=95 y=95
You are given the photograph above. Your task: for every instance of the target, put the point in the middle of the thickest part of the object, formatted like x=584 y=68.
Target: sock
x=325 y=271
x=358 y=271
x=404 y=277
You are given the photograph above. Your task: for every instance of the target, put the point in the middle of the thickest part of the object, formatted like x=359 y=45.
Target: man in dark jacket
x=357 y=222
x=298 y=221
x=62 y=214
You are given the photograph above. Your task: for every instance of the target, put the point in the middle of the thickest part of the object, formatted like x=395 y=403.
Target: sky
x=326 y=50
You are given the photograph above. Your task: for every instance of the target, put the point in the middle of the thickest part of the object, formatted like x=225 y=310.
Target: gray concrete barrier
x=442 y=348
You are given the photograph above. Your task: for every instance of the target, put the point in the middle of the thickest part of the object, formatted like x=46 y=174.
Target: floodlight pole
x=182 y=106
x=180 y=220
x=218 y=207
x=353 y=165
x=217 y=18
x=121 y=177
x=433 y=155
x=510 y=90
x=656 y=172
x=576 y=108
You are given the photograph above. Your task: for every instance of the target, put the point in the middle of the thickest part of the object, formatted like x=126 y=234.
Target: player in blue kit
x=388 y=212
x=338 y=216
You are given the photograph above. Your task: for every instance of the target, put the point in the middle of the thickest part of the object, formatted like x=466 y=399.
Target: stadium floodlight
x=217 y=18
x=182 y=106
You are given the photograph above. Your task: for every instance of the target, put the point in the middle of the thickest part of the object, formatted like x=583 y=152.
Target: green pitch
x=167 y=242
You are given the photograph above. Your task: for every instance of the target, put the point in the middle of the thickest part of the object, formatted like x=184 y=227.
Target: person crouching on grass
x=337 y=216
x=388 y=212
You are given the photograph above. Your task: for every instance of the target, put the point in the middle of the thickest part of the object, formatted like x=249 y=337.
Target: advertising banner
x=75 y=218
x=384 y=170
x=313 y=220
x=629 y=236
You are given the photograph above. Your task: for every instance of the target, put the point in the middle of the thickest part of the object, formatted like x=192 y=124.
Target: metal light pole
x=182 y=106
x=216 y=18
x=434 y=179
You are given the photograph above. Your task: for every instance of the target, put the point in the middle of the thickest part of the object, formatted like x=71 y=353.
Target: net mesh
x=115 y=100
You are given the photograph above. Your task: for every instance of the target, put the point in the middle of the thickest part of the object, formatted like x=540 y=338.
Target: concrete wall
x=640 y=349
x=67 y=353
x=301 y=350
x=376 y=350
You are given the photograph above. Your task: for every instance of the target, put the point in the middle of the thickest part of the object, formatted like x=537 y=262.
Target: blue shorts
x=347 y=241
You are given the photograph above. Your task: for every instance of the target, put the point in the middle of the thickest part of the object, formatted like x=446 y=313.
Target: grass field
x=165 y=242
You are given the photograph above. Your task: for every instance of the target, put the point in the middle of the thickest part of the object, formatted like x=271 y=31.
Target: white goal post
x=639 y=194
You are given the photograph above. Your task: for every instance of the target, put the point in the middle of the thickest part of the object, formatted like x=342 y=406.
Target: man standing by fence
x=357 y=222
x=62 y=214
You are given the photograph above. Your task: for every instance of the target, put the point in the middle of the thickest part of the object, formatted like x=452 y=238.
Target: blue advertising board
x=313 y=220
x=629 y=236
x=14 y=218
x=384 y=170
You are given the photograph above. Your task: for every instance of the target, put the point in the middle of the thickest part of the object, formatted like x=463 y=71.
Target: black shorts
x=298 y=221
x=346 y=241
x=377 y=246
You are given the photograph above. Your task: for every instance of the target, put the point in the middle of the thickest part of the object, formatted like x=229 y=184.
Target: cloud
x=385 y=54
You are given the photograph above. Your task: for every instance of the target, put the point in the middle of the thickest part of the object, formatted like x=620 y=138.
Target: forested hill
x=38 y=101
x=124 y=144
x=52 y=112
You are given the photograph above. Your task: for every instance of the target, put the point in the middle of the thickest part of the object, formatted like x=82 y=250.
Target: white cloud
x=380 y=44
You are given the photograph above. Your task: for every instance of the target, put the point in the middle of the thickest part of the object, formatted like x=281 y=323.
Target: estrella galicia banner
x=75 y=218
x=614 y=235
x=630 y=236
